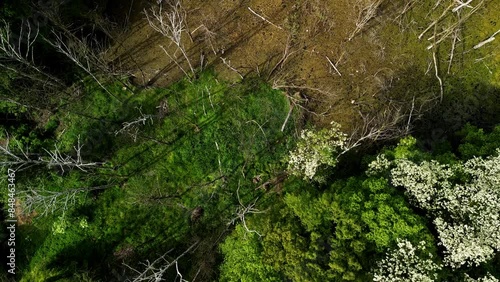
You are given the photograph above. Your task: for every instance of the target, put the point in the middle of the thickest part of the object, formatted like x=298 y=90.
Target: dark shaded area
x=476 y=104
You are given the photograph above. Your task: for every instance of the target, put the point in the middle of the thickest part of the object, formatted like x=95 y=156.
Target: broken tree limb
x=333 y=65
x=488 y=40
x=228 y=64
x=438 y=38
x=437 y=75
x=461 y=5
x=453 y=44
x=264 y=19
x=287 y=117
x=435 y=21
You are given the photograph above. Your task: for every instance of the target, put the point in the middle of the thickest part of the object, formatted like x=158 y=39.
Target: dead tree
x=132 y=127
x=17 y=55
x=90 y=51
x=446 y=31
x=228 y=64
x=391 y=123
x=23 y=159
x=287 y=52
x=407 y=7
x=366 y=13
x=244 y=210
x=208 y=35
x=264 y=19
x=80 y=52
x=46 y=202
x=156 y=270
x=171 y=24
x=488 y=40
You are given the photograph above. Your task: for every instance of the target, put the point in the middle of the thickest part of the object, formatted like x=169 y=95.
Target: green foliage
x=333 y=235
x=14 y=9
x=477 y=143
x=218 y=147
x=370 y=215
x=243 y=259
x=94 y=118
x=212 y=139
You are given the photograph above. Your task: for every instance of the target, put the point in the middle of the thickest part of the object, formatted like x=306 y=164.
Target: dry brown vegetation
x=346 y=59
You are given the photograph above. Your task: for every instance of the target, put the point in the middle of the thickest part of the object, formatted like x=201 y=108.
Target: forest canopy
x=183 y=140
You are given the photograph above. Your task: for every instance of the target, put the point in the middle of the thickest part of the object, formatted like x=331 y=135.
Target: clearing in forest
x=348 y=61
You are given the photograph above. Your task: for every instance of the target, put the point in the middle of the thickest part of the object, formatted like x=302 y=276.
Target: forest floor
x=315 y=49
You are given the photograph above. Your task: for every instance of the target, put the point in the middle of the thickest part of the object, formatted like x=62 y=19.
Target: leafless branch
x=8 y=44
x=243 y=210
x=333 y=65
x=54 y=158
x=279 y=85
x=132 y=127
x=79 y=51
x=286 y=54
x=208 y=34
x=264 y=19
x=46 y=202
x=287 y=117
x=409 y=4
x=442 y=16
x=379 y=125
x=452 y=52
x=228 y=64
x=410 y=115
x=488 y=40
x=174 y=60
x=461 y=5
x=260 y=127
x=170 y=24
x=437 y=38
x=21 y=51
x=156 y=270
x=441 y=88
x=365 y=15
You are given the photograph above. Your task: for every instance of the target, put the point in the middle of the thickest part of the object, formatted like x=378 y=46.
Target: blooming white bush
x=380 y=164
x=405 y=263
x=464 y=244
x=467 y=215
x=423 y=181
x=487 y=278
x=316 y=148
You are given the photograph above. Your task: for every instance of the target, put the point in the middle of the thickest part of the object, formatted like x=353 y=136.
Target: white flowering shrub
x=422 y=182
x=407 y=263
x=464 y=244
x=487 y=278
x=379 y=165
x=466 y=212
x=316 y=148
